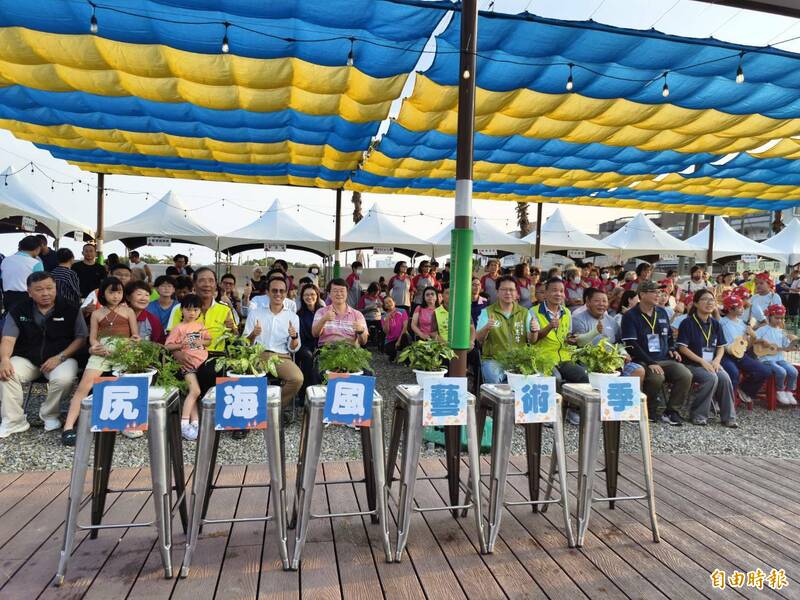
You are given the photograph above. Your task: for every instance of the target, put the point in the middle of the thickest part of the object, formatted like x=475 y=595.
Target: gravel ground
x=760 y=433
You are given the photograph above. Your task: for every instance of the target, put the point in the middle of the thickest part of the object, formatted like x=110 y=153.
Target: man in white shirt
x=276 y=328
x=16 y=268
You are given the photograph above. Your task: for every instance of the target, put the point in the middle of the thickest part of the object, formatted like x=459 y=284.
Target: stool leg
x=452 y=444
x=379 y=469
x=587 y=457
x=475 y=471
x=647 y=463
x=412 y=443
x=272 y=440
x=162 y=484
x=176 y=456
x=501 y=453
x=562 y=411
x=483 y=409
x=611 y=451
x=560 y=454
x=301 y=453
x=369 y=472
x=212 y=468
x=533 y=448
x=309 y=476
x=398 y=418
x=103 y=454
x=200 y=482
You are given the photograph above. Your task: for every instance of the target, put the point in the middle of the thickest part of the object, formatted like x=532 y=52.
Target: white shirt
x=15 y=270
x=274 y=328
x=262 y=302
x=759 y=304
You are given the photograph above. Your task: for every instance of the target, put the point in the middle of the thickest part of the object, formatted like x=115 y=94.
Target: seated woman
x=775 y=341
x=137 y=296
x=311 y=303
x=395 y=328
x=370 y=306
x=734 y=362
x=422 y=322
x=701 y=343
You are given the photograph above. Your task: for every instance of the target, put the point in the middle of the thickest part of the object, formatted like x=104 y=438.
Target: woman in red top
x=422 y=281
x=422 y=323
x=526 y=284
x=488 y=285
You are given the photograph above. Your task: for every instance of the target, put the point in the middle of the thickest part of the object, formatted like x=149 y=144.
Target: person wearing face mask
x=607 y=283
x=354 y=284
x=696 y=281
x=573 y=287
x=313 y=274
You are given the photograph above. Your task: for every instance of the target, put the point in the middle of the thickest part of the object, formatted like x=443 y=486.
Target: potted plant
x=426 y=358
x=137 y=358
x=603 y=359
x=524 y=361
x=342 y=357
x=243 y=359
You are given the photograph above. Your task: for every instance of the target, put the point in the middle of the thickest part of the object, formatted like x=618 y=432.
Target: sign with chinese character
x=667 y=257
x=120 y=403
x=383 y=250
x=444 y=401
x=620 y=399
x=348 y=400
x=157 y=240
x=274 y=247
x=77 y=235
x=28 y=224
x=488 y=251
x=749 y=258
x=576 y=253
x=241 y=403
x=535 y=400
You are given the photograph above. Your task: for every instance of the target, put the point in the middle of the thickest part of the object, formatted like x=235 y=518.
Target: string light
x=570 y=81
x=739 y=71
x=350 y=54
x=225 y=45
x=665 y=89
x=93 y=20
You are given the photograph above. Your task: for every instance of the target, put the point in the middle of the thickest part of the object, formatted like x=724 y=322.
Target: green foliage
x=243 y=358
x=426 y=355
x=131 y=356
x=603 y=357
x=342 y=357
x=526 y=360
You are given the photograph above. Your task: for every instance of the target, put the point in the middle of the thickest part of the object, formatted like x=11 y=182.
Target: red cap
x=775 y=310
x=765 y=277
x=731 y=301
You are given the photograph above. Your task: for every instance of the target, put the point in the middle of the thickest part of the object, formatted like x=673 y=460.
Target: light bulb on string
x=739 y=71
x=570 y=81
x=350 y=54
x=225 y=45
x=665 y=89
x=31 y=168
x=93 y=20
x=5 y=180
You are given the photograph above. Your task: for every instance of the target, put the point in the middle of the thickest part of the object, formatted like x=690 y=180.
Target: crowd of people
x=693 y=345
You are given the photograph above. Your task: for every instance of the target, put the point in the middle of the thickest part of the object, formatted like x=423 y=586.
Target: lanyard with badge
x=653 y=339
x=708 y=350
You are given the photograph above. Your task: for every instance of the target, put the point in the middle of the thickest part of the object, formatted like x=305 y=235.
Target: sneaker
x=785 y=397
x=671 y=417
x=790 y=397
x=745 y=398
x=133 y=434
x=573 y=416
x=240 y=434
x=730 y=424
x=52 y=424
x=699 y=421
x=68 y=437
x=7 y=430
x=188 y=431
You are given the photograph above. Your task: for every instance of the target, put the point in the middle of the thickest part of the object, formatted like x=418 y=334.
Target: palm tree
x=522 y=219
x=357 y=214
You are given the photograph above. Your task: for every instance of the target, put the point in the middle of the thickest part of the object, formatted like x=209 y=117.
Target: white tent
x=558 y=234
x=378 y=230
x=641 y=237
x=728 y=242
x=787 y=242
x=18 y=200
x=275 y=226
x=485 y=237
x=167 y=218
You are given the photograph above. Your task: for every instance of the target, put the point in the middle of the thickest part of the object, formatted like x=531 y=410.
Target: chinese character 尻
x=445 y=400
x=777 y=579
x=348 y=399
x=535 y=398
x=240 y=401
x=718 y=579
x=117 y=400
x=620 y=396
x=736 y=579
x=756 y=579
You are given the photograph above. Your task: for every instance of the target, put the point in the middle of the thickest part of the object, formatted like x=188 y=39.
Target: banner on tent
x=576 y=253
x=77 y=235
x=749 y=258
x=28 y=224
x=274 y=247
x=488 y=251
x=667 y=257
x=383 y=250
x=158 y=240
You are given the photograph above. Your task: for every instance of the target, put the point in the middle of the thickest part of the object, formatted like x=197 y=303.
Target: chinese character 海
x=117 y=400
x=445 y=401
x=620 y=396
x=535 y=398
x=348 y=399
x=240 y=401
x=718 y=579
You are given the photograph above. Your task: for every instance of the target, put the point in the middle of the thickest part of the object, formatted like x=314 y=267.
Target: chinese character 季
x=348 y=399
x=736 y=579
x=756 y=579
x=718 y=579
x=620 y=396
x=118 y=401
x=777 y=579
x=535 y=398
x=445 y=400
x=240 y=401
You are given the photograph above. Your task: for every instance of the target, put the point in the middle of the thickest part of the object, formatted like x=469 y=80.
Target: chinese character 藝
x=240 y=401
x=445 y=400
x=756 y=579
x=117 y=401
x=535 y=398
x=620 y=396
x=777 y=579
x=718 y=579
x=348 y=399
x=736 y=579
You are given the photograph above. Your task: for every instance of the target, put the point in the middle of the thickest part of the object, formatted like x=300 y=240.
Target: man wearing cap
x=755 y=372
x=647 y=336
x=764 y=297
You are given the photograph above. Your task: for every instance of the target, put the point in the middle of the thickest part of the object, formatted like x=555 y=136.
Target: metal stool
x=160 y=428
x=499 y=399
x=407 y=423
x=587 y=401
x=205 y=460
x=310 y=446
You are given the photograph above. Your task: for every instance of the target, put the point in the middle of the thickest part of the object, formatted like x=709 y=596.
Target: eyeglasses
x=706 y=299
x=276 y=291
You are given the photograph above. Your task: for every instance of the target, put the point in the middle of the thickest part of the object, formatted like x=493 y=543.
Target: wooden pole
x=337 y=267
x=98 y=236
x=710 y=252
x=537 y=251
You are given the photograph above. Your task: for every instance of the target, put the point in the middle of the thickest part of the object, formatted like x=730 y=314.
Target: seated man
x=339 y=322
x=647 y=336
x=40 y=337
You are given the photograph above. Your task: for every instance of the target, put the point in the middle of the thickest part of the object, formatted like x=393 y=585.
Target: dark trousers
x=755 y=373
x=305 y=361
x=570 y=372
x=680 y=380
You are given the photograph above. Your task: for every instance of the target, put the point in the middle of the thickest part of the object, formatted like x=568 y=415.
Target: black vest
x=36 y=343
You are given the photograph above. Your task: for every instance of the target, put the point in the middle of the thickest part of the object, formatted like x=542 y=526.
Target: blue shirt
x=697 y=336
x=162 y=314
x=635 y=328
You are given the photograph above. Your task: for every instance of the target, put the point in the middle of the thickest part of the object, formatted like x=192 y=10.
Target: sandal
x=68 y=437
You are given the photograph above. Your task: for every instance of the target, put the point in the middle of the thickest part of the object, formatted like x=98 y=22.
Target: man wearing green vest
x=441 y=327
x=501 y=326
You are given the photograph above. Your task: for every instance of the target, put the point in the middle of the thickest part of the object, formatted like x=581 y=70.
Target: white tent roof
x=787 y=242
x=641 y=237
x=276 y=226
x=559 y=234
x=168 y=217
x=485 y=236
x=376 y=229
x=728 y=242
x=17 y=199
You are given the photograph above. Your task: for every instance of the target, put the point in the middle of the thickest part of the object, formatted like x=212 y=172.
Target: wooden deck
x=715 y=513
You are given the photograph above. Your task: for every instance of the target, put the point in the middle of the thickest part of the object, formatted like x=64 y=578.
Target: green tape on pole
x=460 y=288
x=337 y=270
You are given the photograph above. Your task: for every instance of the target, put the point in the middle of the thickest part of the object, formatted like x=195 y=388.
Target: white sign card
x=383 y=250
x=275 y=247
x=535 y=399
x=444 y=401
x=667 y=257
x=28 y=224
x=576 y=253
x=158 y=240
x=77 y=235
x=749 y=258
x=620 y=399
x=488 y=251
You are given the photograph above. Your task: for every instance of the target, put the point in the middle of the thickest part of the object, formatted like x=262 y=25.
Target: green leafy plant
x=526 y=360
x=243 y=358
x=426 y=355
x=341 y=357
x=131 y=356
x=603 y=357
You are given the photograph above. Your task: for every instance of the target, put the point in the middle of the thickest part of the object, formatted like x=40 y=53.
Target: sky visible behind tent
x=681 y=17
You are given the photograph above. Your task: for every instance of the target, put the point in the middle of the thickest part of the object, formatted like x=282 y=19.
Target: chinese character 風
x=348 y=399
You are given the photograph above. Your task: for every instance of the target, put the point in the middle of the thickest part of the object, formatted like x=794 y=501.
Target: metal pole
x=710 y=252
x=537 y=250
x=337 y=267
x=461 y=236
x=98 y=237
